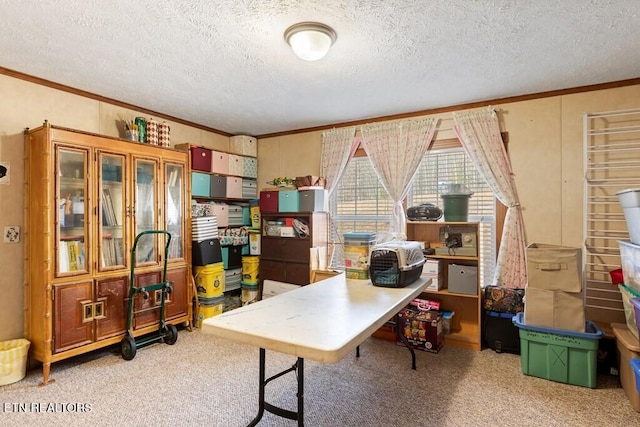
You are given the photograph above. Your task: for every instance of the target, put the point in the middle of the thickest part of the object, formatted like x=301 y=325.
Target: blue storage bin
x=288 y=201
x=359 y=238
x=635 y=365
x=200 y=184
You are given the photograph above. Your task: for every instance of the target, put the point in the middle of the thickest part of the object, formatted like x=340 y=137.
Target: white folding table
x=322 y=321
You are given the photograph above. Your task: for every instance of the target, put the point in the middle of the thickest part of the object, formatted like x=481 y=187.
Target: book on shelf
x=108 y=212
x=112 y=251
x=173 y=177
x=71 y=255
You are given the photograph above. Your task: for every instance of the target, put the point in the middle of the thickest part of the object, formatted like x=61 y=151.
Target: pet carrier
x=395 y=264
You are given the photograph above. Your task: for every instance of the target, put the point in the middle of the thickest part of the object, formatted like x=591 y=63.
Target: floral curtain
x=479 y=133
x=395 y=150
x=338 y=147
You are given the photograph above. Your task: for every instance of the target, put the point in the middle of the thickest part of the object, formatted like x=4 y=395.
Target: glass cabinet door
x=174 y=199
x=72 y=223
x=112 y=212
x=146 y=210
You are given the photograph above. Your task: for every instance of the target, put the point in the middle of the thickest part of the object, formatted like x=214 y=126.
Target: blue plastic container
x=635 y=365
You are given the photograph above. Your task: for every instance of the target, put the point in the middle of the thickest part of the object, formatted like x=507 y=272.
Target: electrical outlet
x=12 y=234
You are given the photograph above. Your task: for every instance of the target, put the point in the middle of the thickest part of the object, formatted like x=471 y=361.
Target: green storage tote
x=559 y=355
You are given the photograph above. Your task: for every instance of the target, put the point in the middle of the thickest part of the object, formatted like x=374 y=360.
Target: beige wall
x=545 y=145
x=24 y=104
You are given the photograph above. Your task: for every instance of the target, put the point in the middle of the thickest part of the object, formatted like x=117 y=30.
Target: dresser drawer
x=286 y=249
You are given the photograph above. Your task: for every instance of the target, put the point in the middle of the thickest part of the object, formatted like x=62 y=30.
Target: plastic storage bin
x=559 y=355
x=630 y=259
x=13 y=360
x=630 y=201
x=627 y=295
x=635 y=366
x=628 y=350
x=635 y=303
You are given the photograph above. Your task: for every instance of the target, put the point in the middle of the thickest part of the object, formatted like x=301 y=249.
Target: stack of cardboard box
x=432 y=269
x=554 y=296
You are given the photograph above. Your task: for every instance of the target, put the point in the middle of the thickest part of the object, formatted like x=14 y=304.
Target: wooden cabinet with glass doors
x=86 y=198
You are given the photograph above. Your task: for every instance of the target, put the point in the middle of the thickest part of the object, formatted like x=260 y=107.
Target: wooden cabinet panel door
x=297 y=273
x=286 y=249
x=73 y=315
x=111 y=306
x=147 y=312
x=177 y=304
x=272 y=270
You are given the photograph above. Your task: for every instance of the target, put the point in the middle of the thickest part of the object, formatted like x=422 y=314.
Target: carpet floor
x=207 y=381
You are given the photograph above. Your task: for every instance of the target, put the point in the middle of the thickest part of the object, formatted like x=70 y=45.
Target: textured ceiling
x=225 y=65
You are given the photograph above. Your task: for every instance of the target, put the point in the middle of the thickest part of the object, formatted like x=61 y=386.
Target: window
x=361 y=204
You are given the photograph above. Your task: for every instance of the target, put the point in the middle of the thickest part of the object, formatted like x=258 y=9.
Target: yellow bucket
x=210 y=307
x=254 y=211
x=249 y=294
x=250 y=266
x=210 y=280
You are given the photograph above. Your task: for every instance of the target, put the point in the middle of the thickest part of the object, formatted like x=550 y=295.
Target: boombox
x=458 y=240
x=424 y=212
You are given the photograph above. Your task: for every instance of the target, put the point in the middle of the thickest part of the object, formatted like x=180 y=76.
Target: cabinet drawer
x=286 y=249
x=271 y=270
x=297 y=273
x=201 y=159
x=219 y=162
x=281 y=271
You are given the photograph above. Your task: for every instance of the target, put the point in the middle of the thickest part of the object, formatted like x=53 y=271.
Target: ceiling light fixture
x=310 y=40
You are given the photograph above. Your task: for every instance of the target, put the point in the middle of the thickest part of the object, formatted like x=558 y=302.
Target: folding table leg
x=265 y=406
x=404 y=340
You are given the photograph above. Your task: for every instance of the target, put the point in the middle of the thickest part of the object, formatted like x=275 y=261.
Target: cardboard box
x=552 y=267
x=554 y=309
x=436 y=282
x=423 y=329
x=432 y=267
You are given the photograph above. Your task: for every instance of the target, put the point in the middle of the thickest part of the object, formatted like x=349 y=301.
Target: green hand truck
x=166 y=332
